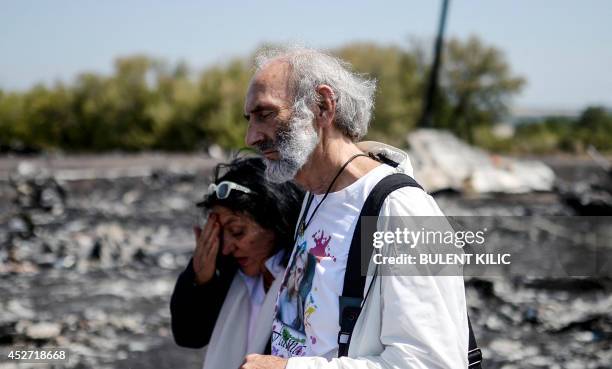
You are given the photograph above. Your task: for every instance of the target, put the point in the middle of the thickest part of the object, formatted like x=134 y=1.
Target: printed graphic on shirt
x=320 y=249
x=295 y=302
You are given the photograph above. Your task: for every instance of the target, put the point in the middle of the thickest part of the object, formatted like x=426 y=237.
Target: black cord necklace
x=302 y=224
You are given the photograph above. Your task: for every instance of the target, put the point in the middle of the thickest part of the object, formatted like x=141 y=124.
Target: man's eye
x=267 y=114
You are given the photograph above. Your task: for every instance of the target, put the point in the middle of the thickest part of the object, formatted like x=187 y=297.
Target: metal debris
x=97 y=276
x=444 y=162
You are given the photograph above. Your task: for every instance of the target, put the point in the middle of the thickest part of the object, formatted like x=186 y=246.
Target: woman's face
x=244 y=239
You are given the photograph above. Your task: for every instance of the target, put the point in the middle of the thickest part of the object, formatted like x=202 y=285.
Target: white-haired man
x=306 y=111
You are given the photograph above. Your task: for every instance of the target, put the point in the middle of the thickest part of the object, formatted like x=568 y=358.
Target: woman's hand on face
x=207 y=248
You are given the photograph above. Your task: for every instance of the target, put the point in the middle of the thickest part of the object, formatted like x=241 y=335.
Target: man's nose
x=253 y=135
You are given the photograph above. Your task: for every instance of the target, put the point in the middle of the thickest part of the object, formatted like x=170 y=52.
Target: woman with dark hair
x=226 y=295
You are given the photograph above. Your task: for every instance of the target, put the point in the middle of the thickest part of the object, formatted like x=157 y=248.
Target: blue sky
x=563 y=48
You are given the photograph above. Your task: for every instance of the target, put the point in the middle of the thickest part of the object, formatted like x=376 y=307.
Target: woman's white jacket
x=228 y=343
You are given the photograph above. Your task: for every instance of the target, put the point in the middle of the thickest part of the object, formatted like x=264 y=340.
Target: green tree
x=13 y=129
x=549 y=135
x=220 y=112
x=594 y=127
x=49 y=115
x=148 y=104
x=476 y=84
x=398 y=98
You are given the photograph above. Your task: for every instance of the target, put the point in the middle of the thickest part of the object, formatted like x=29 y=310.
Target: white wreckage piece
x=442 y=161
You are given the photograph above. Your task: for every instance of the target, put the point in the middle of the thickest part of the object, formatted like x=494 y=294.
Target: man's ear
x=326 y=105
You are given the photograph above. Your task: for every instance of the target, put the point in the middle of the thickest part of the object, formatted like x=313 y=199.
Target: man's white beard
x=294 y=145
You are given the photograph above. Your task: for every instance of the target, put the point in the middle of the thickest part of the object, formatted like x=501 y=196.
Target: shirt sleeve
x=424 y=318
x=194 y=308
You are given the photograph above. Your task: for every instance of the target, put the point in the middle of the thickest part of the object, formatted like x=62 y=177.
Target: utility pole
x=426 y=118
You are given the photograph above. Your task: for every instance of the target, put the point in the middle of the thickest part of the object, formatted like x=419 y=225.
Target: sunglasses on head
x=223 y=189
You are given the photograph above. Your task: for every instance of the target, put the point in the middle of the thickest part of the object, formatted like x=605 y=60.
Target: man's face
x=283 y=133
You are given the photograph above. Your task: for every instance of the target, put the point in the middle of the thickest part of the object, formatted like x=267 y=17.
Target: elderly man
x=306 y=112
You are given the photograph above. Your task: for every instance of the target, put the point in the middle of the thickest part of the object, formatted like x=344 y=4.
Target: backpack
x=351 y=300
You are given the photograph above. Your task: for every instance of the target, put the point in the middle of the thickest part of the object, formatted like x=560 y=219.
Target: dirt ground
x=92 y=270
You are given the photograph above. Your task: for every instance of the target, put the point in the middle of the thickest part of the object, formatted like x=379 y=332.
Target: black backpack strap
x=354 y=281
x=352 y=299
x=474 y=353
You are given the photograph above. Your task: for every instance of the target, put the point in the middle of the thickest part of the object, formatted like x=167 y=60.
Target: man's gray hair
x=311 y=68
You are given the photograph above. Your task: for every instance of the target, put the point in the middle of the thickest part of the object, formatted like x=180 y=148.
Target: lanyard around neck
x=303 y=224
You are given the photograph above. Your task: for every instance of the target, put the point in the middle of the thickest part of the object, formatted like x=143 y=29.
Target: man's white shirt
x=306 y=315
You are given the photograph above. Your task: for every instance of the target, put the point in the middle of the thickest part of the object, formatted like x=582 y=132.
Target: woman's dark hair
x=274 y=206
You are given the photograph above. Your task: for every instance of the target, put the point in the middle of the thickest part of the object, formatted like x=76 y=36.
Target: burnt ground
x=88 y=262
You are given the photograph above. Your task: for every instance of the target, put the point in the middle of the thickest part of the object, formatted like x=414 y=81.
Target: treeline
x=144 y=105
x=147 y=104
x=593 y=127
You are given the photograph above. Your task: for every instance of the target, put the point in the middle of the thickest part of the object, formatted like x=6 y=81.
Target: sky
x=562 y=47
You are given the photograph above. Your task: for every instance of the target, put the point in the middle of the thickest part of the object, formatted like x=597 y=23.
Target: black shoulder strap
x=354 y=282
x=474 y=353
x=351 y=300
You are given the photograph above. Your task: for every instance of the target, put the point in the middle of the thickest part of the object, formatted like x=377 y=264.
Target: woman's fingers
x=215 y=242
x=206 y=251
x=199 y=253
x=212 y=218
x=213 y=237
x=196 y=232
x=199 y=235
x=202 y=236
